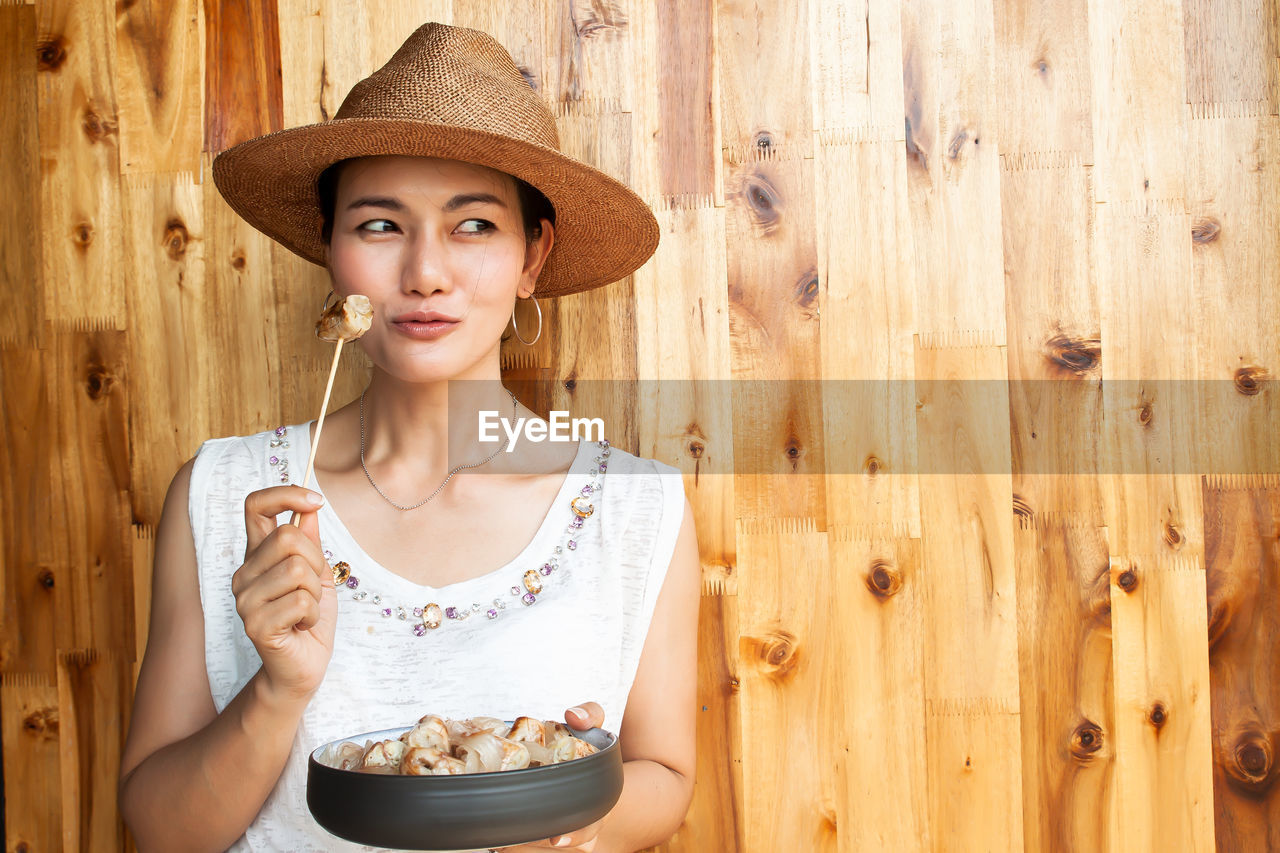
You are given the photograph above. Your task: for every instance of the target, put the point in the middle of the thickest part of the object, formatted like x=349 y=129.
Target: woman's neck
x=432 y=426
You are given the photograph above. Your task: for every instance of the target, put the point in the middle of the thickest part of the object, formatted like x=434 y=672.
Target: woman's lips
x=424 y=331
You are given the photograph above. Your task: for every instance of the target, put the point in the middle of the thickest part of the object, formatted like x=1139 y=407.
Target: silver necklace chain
x=514 y=410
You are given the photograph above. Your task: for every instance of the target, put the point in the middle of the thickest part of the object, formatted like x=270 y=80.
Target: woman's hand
x=284 y=592
x=588 y=715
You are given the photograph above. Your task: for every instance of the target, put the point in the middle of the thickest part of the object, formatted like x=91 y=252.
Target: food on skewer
x=345 y=320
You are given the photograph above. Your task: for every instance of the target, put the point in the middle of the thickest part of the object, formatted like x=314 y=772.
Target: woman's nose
x=424 y=269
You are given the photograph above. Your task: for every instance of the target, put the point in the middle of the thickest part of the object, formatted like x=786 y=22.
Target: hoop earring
x=516 y=328
x=325 y=306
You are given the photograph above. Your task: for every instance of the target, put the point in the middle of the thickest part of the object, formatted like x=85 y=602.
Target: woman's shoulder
x=642 y=492
x=249 y=453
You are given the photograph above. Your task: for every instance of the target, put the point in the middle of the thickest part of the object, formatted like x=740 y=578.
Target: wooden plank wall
x=983 y=302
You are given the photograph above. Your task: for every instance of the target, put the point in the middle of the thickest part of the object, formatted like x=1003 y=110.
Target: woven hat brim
x=603 y=233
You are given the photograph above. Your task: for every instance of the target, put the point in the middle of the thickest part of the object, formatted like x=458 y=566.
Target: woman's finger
x=291 y=573
x=587 y=715
x=262 y=507
x=275 y=619
x=283 y=542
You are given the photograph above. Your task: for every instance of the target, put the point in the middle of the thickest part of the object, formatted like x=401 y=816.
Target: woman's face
x=439 y=248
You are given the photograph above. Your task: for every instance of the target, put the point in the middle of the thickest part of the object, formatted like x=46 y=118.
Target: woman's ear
x=535 y=257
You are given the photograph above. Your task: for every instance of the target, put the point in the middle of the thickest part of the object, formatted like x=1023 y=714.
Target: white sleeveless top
x=579 y=640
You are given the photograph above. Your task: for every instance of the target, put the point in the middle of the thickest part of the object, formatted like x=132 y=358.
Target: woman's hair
x=534 y=206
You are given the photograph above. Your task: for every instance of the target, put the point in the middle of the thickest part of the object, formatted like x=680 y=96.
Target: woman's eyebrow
x=460 y=200
x=464 y=199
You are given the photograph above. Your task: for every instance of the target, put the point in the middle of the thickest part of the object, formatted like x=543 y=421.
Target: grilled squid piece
x=429 y=761
x=384 y=756
x=461 y=729
x=529 y=730
x=568 y=747
x=345 y=320
x=348 y=756
x=430 y=731
x=486 y=752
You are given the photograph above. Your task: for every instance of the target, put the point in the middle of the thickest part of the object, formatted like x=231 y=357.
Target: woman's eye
x=475 y=226
x=377 y=222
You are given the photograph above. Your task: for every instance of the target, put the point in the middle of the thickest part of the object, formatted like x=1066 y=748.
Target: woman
x=431 y=572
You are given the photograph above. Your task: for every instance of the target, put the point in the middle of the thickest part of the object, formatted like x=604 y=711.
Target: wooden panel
x=29 y=726
x=158 y=73
x=764 y=84
x=1232 y=170
x=881 y=713
x=170 y=377
x=1136 y=56
x=970 y=593
x=1231 y=55
x=19 y=175
x=1163 y=761
x=79 y=135
x=1242 y=565
x=95 y=579
x=868 y=398
x=242 y=96
x=1064 y=650
x=856 y=61
x=33 y=561
x=791 y=669
x=953 y=166
x=93 y=697
x=1043 y=73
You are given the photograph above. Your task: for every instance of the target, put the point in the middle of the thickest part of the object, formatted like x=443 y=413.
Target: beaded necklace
x=432 y=615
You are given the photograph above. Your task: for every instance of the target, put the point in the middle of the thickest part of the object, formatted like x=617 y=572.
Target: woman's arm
x=191 y=778
x=658 y=736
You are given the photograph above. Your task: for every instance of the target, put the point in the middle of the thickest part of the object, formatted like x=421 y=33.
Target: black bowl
x=466 y=811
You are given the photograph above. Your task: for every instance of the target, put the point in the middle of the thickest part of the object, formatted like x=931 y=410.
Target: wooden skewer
x=315 y=442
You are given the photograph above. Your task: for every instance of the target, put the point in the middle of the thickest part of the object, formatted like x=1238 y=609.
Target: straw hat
x=453 y=93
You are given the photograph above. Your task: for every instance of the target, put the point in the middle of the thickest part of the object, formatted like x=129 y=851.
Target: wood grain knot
x=528 y=76
x=41 y=723
x=763 y=202
x=1251 y=761
x=238 y=260
x=883 y=579
x=1172 y=535
x=763 y=141
x=98 y=381
x=1078 y=355
x=1127 y=580
x=794 y=450
x=806 y=289
x=176 y=238
x=1248 y=379
x=82 y=235
x=1041 y=67
x=95 y=127
x=777 y=654
x=51 y=53
x=1146 y=413
x=696 y=449
x=1158 y=716
x=1205 y=230
x=1086 y=740
x=45 y=578
x=734 y=684
x=957 y=144
x=1022 y=510
x=570 y=384
x=872 y=466
x=593 y=18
